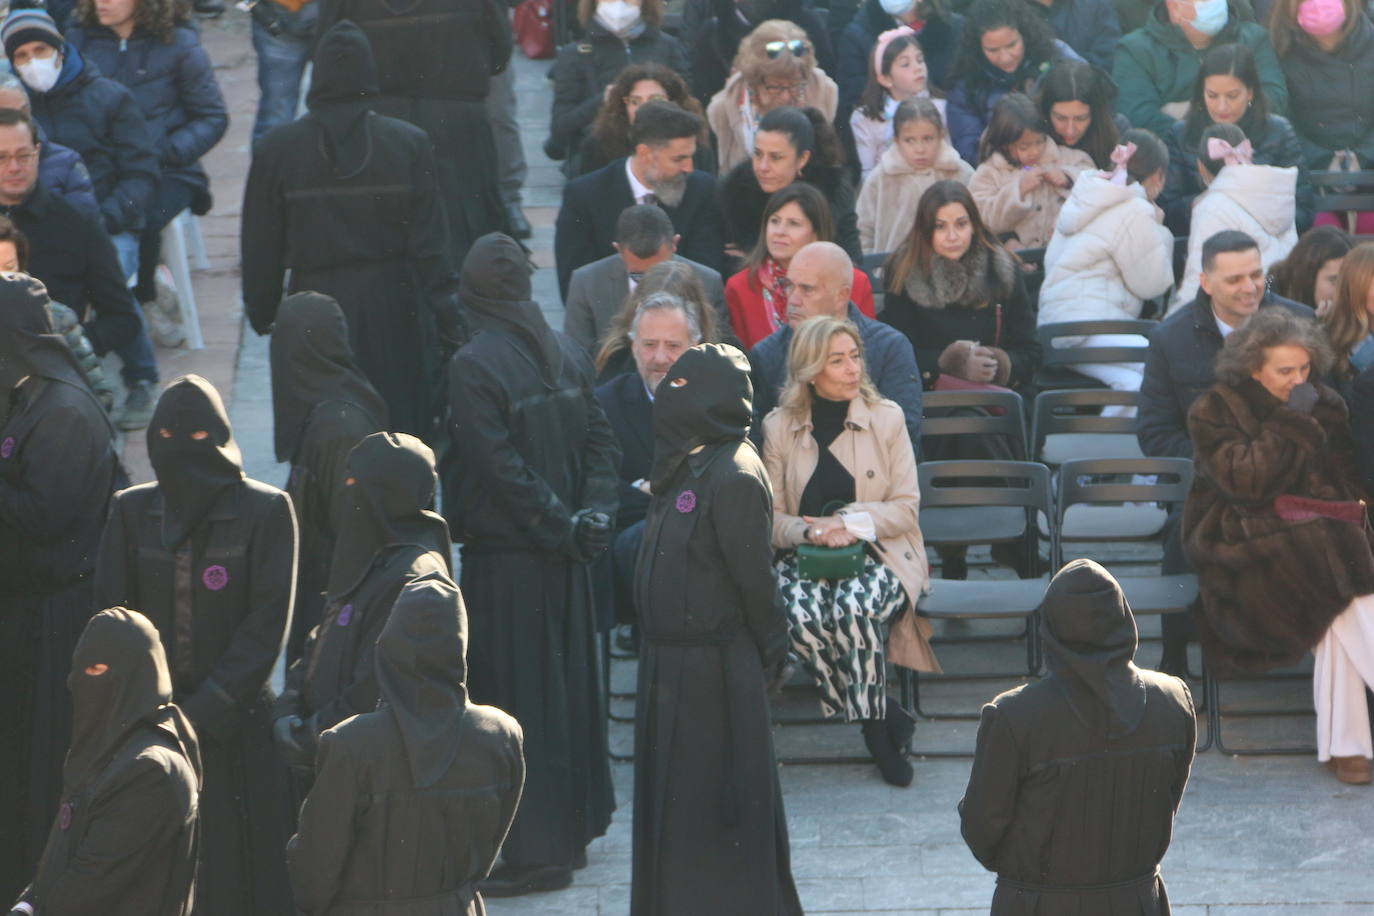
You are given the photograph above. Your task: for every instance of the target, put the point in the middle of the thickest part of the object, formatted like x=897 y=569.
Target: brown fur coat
x=1270 y=588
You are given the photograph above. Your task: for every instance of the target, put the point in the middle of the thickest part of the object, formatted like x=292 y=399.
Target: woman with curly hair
x=151 y=47
x=1005 y=47
x=609 y=136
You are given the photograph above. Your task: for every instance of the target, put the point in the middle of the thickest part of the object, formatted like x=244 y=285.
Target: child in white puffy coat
x=1259 y=200
x=1110 y=253
x=921 y=156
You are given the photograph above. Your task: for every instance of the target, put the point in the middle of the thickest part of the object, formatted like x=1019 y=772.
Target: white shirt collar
x=637 y=190
x=1222 y=326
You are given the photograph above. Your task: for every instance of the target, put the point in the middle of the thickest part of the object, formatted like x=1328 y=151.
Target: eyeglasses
x=24 y=159
x=634 y=101
x=795 y=90
x=796 y=47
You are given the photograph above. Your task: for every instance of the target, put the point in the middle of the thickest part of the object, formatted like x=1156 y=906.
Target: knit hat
x=24 y=25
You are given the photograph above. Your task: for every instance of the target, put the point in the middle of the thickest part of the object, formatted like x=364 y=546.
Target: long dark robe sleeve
x=600 y=460
x=318 y=853
x=989 y=803
x=427 y=245
x=742 y=515
x=262 y=244
x=244 y=667
x=114 y=579
x=43 y=504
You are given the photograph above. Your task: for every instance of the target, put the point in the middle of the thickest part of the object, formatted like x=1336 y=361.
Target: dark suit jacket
x=592 y=205
x=598 y=290
x=631 y=414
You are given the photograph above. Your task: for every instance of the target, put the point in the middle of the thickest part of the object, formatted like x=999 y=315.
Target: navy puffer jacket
x=99 y=118
x=175 y=87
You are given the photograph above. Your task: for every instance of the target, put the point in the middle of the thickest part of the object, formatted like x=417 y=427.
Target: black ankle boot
x=896 y=769
x=901 y=725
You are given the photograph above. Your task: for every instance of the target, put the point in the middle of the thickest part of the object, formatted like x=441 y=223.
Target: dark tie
x=651 y=199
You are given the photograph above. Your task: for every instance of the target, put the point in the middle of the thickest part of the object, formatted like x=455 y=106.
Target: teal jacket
x=1156 y=65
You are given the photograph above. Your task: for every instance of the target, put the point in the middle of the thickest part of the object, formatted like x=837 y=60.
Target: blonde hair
x=806 y=359
x=1347 y=321
x=756 y=67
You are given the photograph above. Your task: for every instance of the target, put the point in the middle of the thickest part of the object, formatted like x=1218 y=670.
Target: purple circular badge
x=7 y=447
x=215 y=577
x=64 y=816
x=345 y=615
x=686 y=501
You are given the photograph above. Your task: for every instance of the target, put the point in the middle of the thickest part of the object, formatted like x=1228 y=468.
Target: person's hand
x=1057 y=178
x=780 y=675
x=828 y=531
x=982 y=365
x=1031 y=179
x=591 y=532
x=1176 y=110
x=285 y=733
x=1303 y=398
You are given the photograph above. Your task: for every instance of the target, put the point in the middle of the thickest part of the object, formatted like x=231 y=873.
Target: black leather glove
x=288 y=733
x=591 y=533
x=1303 y=398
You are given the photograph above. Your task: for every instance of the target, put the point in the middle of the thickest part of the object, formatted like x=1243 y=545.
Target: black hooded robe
x=428 y=773
x=124 y=841
x=221 y=600
x=322 y=406
x=347 y=201
x=57 y=471
x=1076 y=777
x=529 y=447
x=710 y=835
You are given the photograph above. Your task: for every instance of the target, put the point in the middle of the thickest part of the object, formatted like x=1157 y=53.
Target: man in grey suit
x=644 y=237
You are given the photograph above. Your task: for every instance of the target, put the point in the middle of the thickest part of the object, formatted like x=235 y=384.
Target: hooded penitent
x=343 y=91
x=312 y=362
x=422 y=673
x=386 y=505
x=1090 y=638
x=134 y=690
x=495 y=287
x=193 y=454
x=706 y=399
x=28 y=345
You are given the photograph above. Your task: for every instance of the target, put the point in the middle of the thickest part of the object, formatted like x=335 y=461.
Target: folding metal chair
x=1061 y=430
x=1057 y=363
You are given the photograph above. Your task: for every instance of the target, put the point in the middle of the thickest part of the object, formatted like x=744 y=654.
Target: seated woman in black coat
x=616 y=33
x=1228 y=91
x=791 y=144
x=151 y=47
x=608 y=138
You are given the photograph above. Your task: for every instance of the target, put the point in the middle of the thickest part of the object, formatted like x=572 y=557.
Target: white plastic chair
x=175 y=237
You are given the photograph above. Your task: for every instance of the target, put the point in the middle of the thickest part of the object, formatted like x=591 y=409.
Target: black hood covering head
x=495 y=287
x=28 y=344
x=705 y=399
x=422 y=673
x=191 y=472
x=343 y=90
x=387 y=505
x=1090 y=638
x=312 y=362
x=134 y=691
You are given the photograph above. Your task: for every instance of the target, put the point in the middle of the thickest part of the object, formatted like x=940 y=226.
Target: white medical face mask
x=1210 y=16
x=40 y=73
x=617 y=15
x=895 y=8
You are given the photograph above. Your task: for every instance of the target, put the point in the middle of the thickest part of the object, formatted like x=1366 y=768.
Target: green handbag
x=815 y=562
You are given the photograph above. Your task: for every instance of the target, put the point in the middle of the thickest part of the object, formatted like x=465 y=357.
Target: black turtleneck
x=830 y=482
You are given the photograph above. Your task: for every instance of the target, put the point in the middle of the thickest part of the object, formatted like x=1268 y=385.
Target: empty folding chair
x=1057 y=359
x=1068 y=424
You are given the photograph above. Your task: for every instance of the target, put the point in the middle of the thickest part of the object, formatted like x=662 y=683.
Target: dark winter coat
x=585 y=68
x=631 y=415
x=742 y=203
x=100 y=119
x=931 y=323
x=1329 y=100
x=174 y=84
x=1090 y=27
x=713 y=55
x=1156 y=65
x=938 y=38
x=1362 y=426
x=968 y=108
x=1179 y=366
x=62 y=172
x=1279 y=146
x=1270 y=587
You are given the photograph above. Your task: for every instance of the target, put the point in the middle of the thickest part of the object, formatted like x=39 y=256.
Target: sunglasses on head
x=796 y=47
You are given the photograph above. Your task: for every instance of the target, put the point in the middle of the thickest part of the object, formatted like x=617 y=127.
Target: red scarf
x=771 y=277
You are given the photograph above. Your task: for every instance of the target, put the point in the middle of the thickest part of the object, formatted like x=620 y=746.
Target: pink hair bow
x=884 y=40
x=1121 y=157
x=1218 y=150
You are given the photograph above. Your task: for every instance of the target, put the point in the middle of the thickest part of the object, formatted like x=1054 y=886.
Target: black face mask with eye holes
x=705 y=399
x=193 y=454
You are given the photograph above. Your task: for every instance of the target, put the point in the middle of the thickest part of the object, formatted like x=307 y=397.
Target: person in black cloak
x=124 y=841
x=710 y=835
x=429 y=772
x=435 y=60
x=346 y=199
x=1077 y=777
x=322 y=406
x=529 y=491
x=209 y=555
x=386 y=537
x=57 y=471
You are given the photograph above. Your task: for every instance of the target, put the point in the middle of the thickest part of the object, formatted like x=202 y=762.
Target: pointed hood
x=705 y=399
x=1266 y=192
x=1093 y=195
x=343 y=89
x=312 y=362
x=134 y=690
x=495 y=287
x=28 y=344
x=386 y=505
x=1090 y=640
x=193 y=453
x=422 y=673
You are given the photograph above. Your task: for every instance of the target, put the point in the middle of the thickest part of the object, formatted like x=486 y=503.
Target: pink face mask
x=1320 y=18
